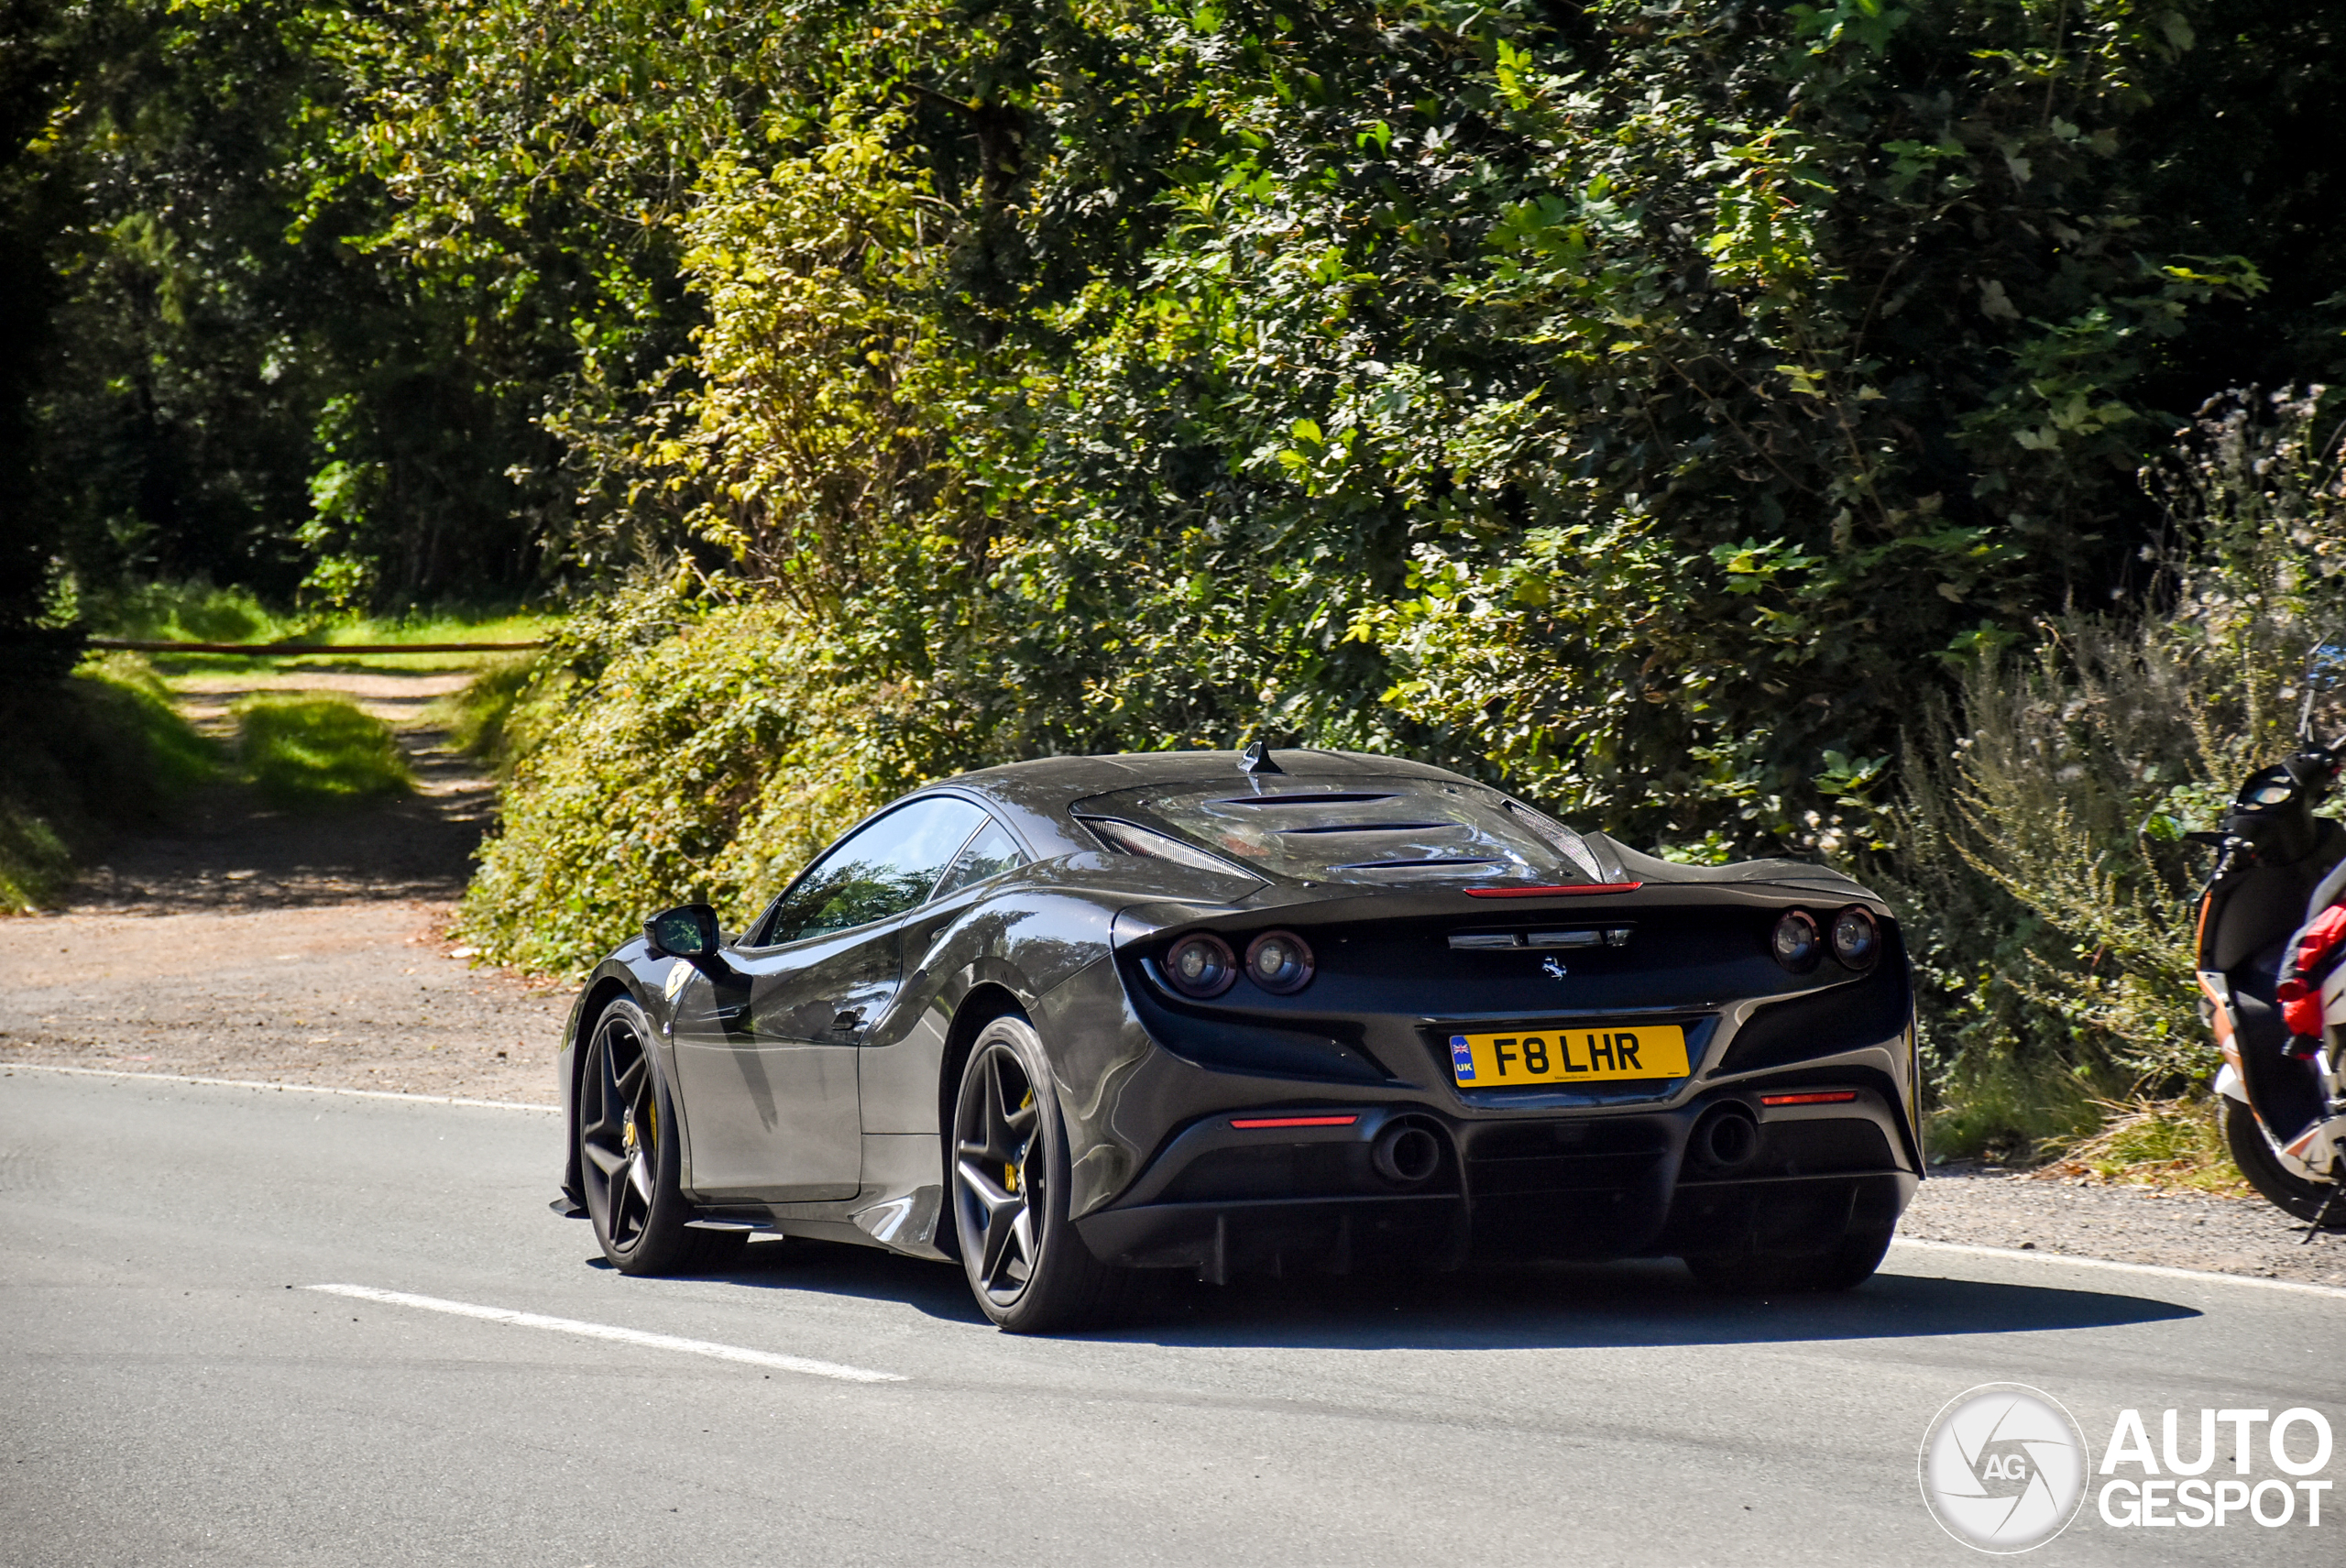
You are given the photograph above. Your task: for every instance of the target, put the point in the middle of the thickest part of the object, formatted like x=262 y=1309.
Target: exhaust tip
x=1727 y=1137
x=1408 y=1154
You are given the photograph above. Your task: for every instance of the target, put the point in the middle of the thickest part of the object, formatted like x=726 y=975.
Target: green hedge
x=706 y=764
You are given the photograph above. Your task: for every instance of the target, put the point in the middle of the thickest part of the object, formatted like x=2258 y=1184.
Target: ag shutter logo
x=2003 y=1467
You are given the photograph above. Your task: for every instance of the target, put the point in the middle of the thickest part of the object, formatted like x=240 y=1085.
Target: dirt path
x=255 y=943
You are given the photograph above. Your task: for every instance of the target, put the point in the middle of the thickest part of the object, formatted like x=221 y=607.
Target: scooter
x=2271 y=963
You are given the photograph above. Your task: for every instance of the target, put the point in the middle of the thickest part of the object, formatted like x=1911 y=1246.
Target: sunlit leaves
x=1633 y=404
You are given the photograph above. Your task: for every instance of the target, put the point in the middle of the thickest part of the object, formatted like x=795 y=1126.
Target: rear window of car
x=1382 y=830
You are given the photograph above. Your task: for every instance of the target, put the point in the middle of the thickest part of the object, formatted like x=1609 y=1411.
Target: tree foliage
x=1653 y=406
x=1657 y=406
x=223 y=375
x=1561 y=389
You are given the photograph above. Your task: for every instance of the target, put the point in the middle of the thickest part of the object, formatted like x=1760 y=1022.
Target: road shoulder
x=2124 y=1225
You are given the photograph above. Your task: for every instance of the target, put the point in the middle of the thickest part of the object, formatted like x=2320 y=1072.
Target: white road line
x=281 y=1088
x=608 y=1331
x=2198 y=1276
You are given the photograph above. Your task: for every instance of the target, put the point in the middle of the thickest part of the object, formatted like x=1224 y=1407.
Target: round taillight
x=1856 y=941
x=1279 y=962
x=1796 y=942
x=1200 y=965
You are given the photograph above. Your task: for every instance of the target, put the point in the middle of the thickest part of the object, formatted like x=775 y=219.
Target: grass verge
x=311 y=752
x=2058 y=1125
x=508 y=711
x=97 y=754
x=2013 y=1110
x=2153 y=1143
x=199 y=612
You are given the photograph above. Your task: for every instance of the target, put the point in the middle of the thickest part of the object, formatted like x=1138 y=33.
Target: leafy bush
x=312 y=751
x=1578 y=393
x=707 y=763
x=1657 y=409
x=2053 y=890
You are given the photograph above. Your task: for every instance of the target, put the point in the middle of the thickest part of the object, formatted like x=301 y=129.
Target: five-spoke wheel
x=1028 y=1268
x=628 y=1158
x=993 y=1143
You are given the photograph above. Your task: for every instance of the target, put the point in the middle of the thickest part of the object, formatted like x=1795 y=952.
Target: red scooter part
x=2319 y=949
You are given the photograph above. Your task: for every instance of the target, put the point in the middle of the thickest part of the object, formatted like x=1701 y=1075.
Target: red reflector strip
x=1253 y=1122
x=1836 y=1097
x=1553 y=892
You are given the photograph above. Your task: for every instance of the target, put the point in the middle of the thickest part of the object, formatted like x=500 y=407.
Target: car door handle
x=848 y=1024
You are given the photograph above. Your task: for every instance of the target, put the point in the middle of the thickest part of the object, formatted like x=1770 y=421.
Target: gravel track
x=250 y=943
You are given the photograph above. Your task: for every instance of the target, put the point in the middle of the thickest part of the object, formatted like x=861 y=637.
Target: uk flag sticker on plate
x=1461 y=1058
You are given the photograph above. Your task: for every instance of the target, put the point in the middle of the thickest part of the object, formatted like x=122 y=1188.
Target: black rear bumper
x=1223 y=1198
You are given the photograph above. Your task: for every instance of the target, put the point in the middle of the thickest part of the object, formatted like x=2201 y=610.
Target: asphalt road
x=176 y=1393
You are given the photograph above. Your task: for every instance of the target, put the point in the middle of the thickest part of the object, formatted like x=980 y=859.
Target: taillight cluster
x=1798 y=941
x=1202 y=965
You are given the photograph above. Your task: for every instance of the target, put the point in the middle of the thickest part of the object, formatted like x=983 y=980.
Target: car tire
x=2252 y=1150
x=629 y=1159
x=1850 y=1263
x=1028 y=1268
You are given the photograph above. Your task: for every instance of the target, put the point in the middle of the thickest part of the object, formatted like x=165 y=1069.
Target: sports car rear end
x=1410 y=1045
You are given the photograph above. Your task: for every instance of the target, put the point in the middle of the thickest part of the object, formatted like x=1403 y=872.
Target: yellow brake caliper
x=1010 y=1172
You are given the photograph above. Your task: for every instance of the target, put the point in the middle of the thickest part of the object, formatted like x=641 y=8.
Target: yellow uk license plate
x=1568 y=1056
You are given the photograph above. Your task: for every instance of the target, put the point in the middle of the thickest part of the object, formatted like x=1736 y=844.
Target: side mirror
x=687 y=931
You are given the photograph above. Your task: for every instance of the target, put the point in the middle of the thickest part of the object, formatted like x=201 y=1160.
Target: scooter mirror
x=2312 y=771
x=2321 y=675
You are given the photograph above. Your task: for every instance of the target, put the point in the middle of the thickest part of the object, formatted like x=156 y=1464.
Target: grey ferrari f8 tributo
x=1068 y=1019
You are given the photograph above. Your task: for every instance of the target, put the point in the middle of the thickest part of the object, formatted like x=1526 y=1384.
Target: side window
x=991 y=853
x=880 y=869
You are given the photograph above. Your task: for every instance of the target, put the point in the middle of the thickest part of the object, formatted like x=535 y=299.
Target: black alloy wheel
x=628 y=1157
x=2254 y=1150
x=1028 y=1268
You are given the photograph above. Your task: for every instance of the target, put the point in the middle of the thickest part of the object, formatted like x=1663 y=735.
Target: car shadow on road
x=840 y=1268
x=1617 y=1305
x=1612 y=1306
